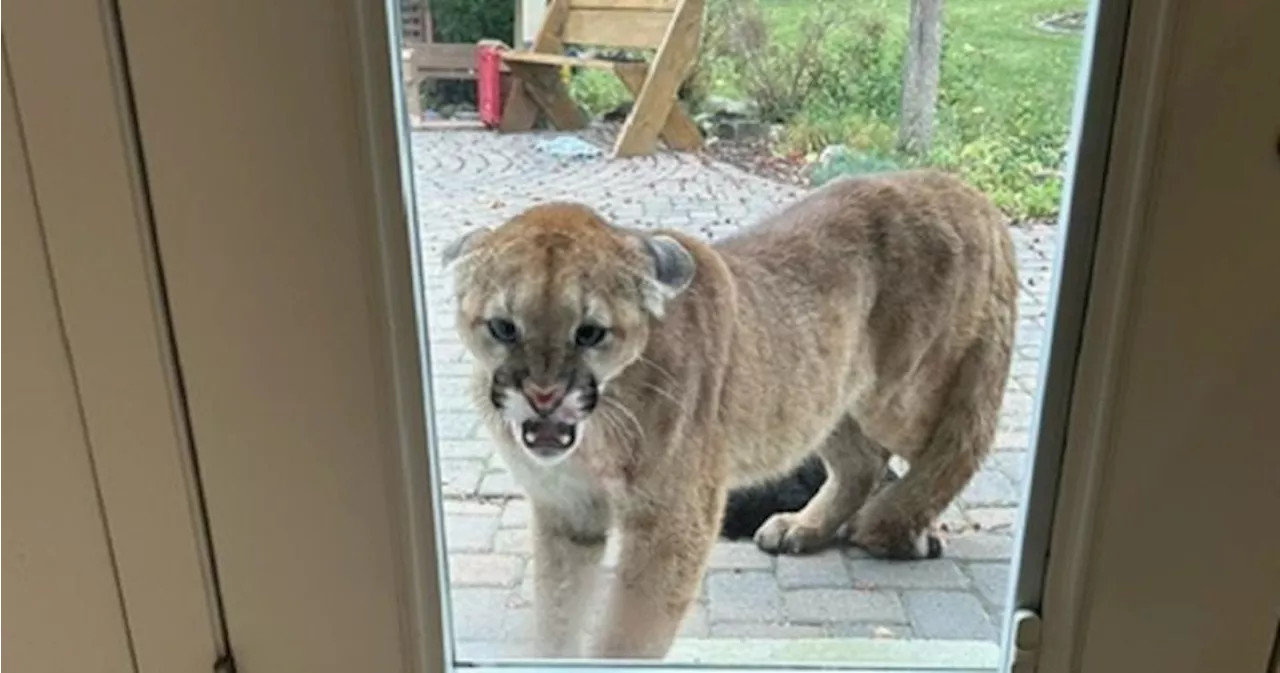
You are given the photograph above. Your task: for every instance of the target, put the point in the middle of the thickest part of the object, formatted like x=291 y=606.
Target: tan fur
x=874 y=317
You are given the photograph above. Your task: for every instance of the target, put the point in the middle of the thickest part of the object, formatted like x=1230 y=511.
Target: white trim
x=397 y=258
x=1087 y=452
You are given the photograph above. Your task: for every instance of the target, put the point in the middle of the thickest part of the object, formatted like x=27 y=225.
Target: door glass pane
x=875 y=322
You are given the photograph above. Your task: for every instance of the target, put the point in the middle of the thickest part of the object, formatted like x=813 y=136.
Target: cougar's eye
x=589 y=335
x=503 y=330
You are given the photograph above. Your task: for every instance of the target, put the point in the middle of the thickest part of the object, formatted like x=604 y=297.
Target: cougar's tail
x=748 y=507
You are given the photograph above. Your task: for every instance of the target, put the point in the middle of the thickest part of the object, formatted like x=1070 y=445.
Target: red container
x=489 y=84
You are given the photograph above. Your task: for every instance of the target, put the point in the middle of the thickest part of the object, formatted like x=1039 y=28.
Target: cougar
x=632 y=377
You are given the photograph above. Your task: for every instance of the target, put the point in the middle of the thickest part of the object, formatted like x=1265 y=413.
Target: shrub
x=473 y=20
x=598 y=91
x=819 y=79
x=779 y=75
x=839 y=160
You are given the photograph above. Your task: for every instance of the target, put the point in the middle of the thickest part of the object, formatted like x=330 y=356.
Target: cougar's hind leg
x=895 y=522
x=854 y=464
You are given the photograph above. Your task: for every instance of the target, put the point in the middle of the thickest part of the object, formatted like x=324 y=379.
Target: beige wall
x=62 y=605
x=91 y=200
x=265 y=182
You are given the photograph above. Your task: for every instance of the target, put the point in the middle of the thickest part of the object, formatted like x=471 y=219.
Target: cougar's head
x=554 y=304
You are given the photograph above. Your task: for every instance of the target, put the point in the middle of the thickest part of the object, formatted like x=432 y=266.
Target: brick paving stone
x=1015 y=422
x=862 y=630
x=460 y=507
x=978 y=547
x=469 y=533
x=855 y=553
x=496 y=463
x=454 y=426
x=477 y=612
x=825 y=569
x=994 y=519
x=948 y=614
x=1025 y=367
x=820 y=606
x=992 y=580
x=762 y=630
x=490 y=650
x=460 y=476
x=728 y=555
x=518 y=624
x=1012 y=440
x=695 y=624
x=499 y=483
x=1019 y=404
x=748 y=596
x=953 y=517
x=450 y=393
x=515 y=514
x=930 y=574
x=1013 y=465
x=524 y=596
x=479 y=449
x=485 y=570
x=451 y=368
x=987 y=488
x=513 y=541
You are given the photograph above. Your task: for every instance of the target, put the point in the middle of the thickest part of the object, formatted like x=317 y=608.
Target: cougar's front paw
x=784 y=533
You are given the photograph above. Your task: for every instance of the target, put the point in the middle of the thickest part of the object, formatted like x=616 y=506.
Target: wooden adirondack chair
x=673 y=28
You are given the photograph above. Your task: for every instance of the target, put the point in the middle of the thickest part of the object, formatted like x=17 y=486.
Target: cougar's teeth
x=565 y=439
x=530 y=438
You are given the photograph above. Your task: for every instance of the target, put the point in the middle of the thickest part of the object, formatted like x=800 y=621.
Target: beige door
x=106 y=557
x=61 y=533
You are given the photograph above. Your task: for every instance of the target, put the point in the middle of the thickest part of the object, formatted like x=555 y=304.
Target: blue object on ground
x=568 y=147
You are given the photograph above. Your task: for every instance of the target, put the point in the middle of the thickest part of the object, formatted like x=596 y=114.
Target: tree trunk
x=920 y=76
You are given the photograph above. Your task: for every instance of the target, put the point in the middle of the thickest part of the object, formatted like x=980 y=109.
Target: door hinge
x=1024 y=641
x=225 y=663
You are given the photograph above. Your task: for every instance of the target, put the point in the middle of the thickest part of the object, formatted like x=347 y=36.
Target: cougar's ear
x=673 y=270
x=462 y=246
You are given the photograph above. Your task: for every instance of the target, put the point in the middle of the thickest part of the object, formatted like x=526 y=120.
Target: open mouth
x=546 y=438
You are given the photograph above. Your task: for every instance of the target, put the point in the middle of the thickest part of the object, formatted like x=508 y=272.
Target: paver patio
x=469 y=179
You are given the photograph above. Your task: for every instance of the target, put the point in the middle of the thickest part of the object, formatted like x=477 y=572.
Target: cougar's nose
x=543 y=398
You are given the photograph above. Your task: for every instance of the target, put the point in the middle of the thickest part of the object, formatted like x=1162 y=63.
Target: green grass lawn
x=1006 y=93
x=1006 y=89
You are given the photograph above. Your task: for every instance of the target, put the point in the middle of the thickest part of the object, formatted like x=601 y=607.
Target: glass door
x=789 y=98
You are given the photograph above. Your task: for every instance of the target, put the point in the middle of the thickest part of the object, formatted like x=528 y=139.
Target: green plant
x=778 y=74
x=472 y=20
x=849 y=162
x=1015 y=153
x=598 y=91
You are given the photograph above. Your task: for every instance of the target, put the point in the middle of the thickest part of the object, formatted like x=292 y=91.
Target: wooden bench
x=672 y=28
x=433 y=60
